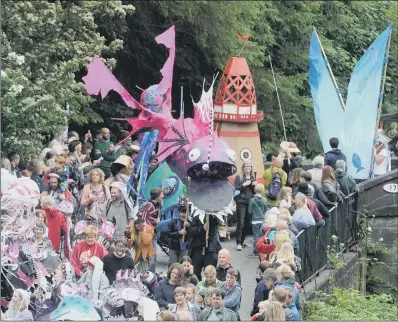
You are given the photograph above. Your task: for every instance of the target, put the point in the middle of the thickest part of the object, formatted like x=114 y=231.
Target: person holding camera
x=244 y=183
x=178 y=234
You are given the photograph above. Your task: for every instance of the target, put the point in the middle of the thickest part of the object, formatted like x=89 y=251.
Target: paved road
x=246 y=265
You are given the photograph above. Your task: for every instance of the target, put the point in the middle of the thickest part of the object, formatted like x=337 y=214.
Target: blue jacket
x=332 y=156
x=293 y=309
x=232 y=296
x=164 y=293
x=291 y=283
x=261 y=294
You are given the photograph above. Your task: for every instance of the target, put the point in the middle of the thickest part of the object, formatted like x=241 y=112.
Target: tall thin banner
x=364 y=93
x=328 y=107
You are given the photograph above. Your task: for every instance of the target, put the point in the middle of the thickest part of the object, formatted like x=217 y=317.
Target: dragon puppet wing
x=100 y=80
x=167 y=39
x=156 y=100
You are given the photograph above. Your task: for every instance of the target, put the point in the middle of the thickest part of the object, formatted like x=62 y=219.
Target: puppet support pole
x=207 y=231
x=330 y=71
x=379 y=109
x=277 y=96
x=185 y=220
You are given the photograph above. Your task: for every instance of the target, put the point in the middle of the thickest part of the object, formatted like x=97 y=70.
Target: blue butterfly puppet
x=354 y=123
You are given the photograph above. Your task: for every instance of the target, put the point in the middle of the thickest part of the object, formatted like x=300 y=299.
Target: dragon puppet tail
x=142 y=162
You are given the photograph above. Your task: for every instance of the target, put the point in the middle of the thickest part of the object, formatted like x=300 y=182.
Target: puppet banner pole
x=182 y=101
x=330 y=71
x=379 y=107
x=186 y=219
x=207 y=231
x=277 y=95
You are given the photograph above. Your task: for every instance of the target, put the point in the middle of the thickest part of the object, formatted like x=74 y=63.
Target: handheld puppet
x=21 y=262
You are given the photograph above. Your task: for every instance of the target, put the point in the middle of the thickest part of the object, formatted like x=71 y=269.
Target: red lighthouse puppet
x=236 y=114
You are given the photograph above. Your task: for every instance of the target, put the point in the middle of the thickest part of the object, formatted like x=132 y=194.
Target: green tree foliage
x=58 y=47
x=44 y=47
x=349 y=305
x=206 y=39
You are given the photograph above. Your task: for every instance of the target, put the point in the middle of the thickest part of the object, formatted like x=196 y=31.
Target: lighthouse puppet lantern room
x=236 y=115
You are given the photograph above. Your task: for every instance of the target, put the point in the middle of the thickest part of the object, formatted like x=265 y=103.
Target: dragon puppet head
x=200 y=158
x=214 y=164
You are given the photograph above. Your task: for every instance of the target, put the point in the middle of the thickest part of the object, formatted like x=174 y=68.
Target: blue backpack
x=275 y=185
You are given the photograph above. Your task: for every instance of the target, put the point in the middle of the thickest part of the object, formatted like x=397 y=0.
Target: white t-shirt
x=381 y=168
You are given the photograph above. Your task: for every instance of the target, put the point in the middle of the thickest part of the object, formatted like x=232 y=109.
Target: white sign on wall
x=391 y=187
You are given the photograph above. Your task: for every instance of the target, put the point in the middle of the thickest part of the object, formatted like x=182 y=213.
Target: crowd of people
x=290 y=197
x=93 y=227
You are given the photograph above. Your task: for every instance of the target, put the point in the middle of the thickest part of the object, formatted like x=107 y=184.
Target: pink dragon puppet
x=190 y=147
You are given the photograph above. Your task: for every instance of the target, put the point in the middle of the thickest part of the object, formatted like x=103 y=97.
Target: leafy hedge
x=352 y=306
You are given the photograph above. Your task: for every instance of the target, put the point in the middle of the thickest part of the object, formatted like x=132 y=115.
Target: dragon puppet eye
x=245 y=154
x=231 y=154
x=194 y=154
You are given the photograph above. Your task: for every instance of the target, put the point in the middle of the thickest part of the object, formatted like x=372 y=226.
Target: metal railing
x=314 y=241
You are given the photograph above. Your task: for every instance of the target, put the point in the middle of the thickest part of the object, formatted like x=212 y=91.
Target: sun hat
x=290 y=147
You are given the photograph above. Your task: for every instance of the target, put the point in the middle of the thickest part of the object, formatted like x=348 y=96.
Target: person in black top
x=244 y=183
x=120 y=259
x=201 y=255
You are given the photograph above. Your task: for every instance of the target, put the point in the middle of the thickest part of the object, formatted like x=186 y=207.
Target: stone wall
x=381 y=209
x=345 y=277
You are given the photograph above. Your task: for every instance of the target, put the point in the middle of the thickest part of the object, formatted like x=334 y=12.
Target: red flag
x=243 y=37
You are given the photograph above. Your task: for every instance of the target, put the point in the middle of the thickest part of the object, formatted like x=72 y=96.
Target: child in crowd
x=210 y=280
x=67 y=210
x=286 y=215
x=189 y=276
x=257 y=209
x=261 y=310
x=285 y=198
x=57 y=226
x=207 y=298
x=279 y=295
x=286 y=277
x=41 y=215
x=61 y=171
x=290 y=302
x=142 y=237
x=18 y=308
x=190 y=296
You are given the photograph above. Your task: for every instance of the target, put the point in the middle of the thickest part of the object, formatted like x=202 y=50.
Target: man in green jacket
x=104 y=149
x=217 y=311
